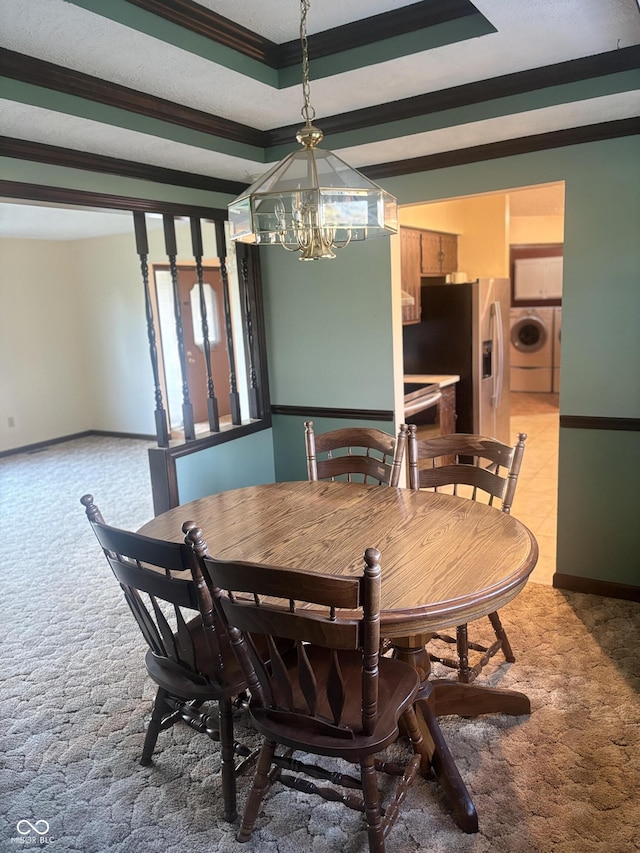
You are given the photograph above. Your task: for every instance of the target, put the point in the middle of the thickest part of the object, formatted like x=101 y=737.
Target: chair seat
x=178 y=681
x=189 y=656
x=397 y=687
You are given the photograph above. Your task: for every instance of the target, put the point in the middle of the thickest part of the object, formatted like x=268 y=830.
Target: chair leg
x=371 y=797
x=462 y=642
x=225 y=721
x=261 y=784
x=160 y=708
x=501 y=635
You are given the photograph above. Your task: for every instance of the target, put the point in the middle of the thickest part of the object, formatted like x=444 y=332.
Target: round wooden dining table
x=445 y=561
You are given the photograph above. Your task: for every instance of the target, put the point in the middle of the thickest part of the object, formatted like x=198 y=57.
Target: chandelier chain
x=308 y=112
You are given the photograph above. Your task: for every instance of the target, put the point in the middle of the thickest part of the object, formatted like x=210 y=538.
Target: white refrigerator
x=465 y=331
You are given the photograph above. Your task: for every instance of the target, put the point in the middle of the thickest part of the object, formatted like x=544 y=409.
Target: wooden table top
x=445 y=560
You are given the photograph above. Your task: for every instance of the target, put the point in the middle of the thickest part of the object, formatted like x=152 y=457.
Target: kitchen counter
x=444 y=422
x=431 y=378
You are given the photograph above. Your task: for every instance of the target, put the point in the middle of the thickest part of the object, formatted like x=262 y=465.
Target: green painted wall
x=330 y=335
x=325 y=322
x=247 y=461
x=598 y=530
x=597 y=538
x=288 y=441
x=329 y=327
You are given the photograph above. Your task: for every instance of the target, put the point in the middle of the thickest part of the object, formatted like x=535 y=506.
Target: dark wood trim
x=110 y=434
x=508 y=148
x=162 y=460
x=348 y=414
x=207 y=23
x=38 y=72
x=254 y=273
x=442 y=160
x=46 y=74
x=164 y=480
x=65 y=196
x=202 y=442
x=588 y=422
x=571 y=71
x=40 y=153
x=39 y=446
x=531 y=250
x=591 y=586
x=397 y=22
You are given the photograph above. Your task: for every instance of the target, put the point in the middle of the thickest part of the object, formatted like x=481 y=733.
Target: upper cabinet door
x=431 y=253
x=538 y=278
x=449 y=253
x=439 y=253
x=410 y=264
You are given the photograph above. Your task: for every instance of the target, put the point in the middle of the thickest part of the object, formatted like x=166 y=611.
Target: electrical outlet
x=11 y=422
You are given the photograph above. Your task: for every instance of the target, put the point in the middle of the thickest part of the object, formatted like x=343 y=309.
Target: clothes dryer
x=557 y=348
x=532 y=349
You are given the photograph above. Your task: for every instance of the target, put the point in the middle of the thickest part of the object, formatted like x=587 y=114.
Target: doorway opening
x=474 y=237
x=194 y=343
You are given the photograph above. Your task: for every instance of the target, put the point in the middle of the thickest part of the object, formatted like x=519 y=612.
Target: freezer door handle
x=496 y=318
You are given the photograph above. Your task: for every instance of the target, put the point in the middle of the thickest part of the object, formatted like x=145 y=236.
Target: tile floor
x=536 y=500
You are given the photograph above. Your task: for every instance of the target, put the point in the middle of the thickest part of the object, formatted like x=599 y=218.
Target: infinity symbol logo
x=25 y=826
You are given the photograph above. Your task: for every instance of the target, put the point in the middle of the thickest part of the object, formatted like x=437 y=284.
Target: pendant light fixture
x=311 y=202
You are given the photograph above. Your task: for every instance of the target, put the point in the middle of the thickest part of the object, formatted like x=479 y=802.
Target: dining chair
x=482 y=469
x=355 y=454
x=331 y=694
x=189 y=657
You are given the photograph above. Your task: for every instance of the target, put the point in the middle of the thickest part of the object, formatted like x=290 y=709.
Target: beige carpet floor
x=75 y=700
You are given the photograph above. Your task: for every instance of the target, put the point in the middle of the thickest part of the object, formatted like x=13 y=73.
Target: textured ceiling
x=437 y=76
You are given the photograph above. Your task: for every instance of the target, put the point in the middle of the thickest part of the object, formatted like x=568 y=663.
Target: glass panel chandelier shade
x=311 y=202
x=308 y=192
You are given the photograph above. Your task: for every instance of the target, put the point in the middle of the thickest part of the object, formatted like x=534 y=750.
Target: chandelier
x=311 y=202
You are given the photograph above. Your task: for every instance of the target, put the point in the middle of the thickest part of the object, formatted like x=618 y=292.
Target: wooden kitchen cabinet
x=447 y=411
x=423 y=253
x=449 y=253
x=410 y=273
x=439 y=253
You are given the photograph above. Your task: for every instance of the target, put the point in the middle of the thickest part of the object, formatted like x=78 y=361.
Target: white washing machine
x=532 y=349
x=557 y=348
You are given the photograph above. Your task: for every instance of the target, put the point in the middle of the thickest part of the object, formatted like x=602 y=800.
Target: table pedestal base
x=469 y=700
x=440 y=697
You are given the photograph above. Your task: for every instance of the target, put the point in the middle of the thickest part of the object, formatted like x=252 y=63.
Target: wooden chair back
x=488 y=467
x=301 y=612
x=355 y=454
x=163 y=585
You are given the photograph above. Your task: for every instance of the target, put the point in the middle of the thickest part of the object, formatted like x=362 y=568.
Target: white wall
x=74 y=350
x=43 y=367
x=111 y=296
x=74 y=353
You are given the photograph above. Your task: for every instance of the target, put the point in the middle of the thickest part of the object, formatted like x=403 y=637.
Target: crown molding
x=82 y=198
x=38 y=152
x=38 y=72
x=47 y=75
x=506 y=148
x=397 y=22
x=208 y=24
x=571 y=71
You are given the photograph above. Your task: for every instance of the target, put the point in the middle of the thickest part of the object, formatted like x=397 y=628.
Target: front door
x=189 y=294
